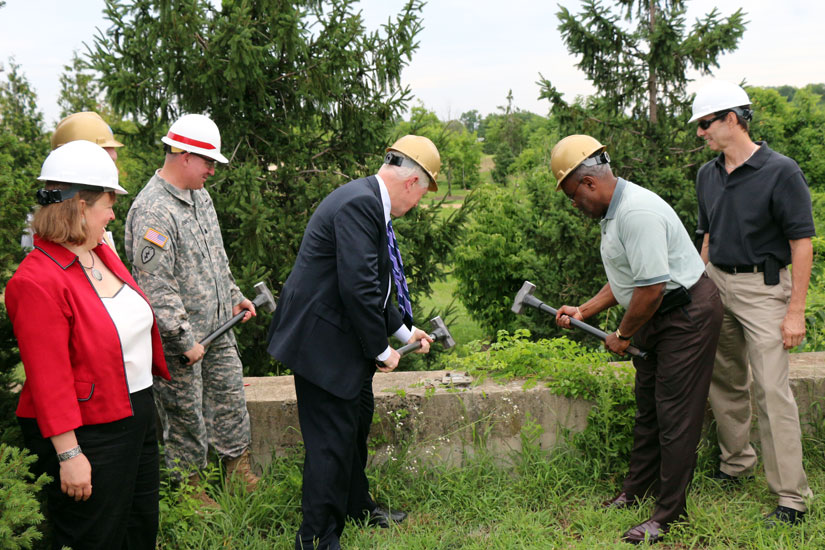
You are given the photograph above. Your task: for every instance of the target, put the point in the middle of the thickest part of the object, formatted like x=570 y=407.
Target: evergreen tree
x=305 y=97
x=643 y=69
x=23 y=147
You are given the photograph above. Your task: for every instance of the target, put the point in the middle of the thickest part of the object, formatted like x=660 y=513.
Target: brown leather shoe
x=620 y=502
x=650 y=531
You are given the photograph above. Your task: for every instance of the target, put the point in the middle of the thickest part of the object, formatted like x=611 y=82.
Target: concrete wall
x=444 y=422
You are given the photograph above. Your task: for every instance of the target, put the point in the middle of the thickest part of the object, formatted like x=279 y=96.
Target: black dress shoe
x=784 y=515
x=650 y=531
x=381 y=517
x=721 y=476
x=620 y=502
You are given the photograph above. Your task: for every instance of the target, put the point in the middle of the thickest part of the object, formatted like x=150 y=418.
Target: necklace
x=95 y=273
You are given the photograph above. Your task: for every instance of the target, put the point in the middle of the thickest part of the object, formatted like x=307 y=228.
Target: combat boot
x=241 y=467
x=199 y=492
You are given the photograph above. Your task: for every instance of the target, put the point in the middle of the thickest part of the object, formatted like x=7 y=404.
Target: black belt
x=734 y=269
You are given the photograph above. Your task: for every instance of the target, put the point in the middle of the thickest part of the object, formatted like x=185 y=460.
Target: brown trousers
x=671 y=393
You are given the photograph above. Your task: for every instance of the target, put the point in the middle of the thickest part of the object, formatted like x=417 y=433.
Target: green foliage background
x=307 y=98
x=524 y=230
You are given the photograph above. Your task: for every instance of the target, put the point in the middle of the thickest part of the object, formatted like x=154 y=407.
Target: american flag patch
x=155 y=237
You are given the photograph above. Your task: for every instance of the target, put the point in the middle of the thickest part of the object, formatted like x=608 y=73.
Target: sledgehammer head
x=263 y=299
x=441 y=333
x=527 y=289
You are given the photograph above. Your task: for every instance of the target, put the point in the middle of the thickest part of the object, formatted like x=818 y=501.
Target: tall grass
x=540 y=500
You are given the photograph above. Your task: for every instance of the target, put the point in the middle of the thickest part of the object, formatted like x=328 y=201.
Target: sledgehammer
x=263 y=301
x=525 y=297
x=440 y=333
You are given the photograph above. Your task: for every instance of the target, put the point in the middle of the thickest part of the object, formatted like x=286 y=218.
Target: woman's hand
x=76 y=477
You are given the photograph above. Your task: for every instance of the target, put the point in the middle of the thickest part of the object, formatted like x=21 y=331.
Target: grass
x=542 y=501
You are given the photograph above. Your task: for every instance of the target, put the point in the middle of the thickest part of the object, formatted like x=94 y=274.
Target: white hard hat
x=82 y=163
x=196 y=134
x=717 y=96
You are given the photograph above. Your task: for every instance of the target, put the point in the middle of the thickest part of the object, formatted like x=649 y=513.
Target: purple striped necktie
x=402 y=292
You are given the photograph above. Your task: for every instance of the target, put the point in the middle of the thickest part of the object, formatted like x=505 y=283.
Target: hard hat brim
x=695 y=117
x=214 y=155
x=116 y=188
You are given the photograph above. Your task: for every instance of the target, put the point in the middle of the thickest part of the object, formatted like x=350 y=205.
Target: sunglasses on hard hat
x=705 y=124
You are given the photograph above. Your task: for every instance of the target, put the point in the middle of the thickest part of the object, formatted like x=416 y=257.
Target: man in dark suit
x=331 y=328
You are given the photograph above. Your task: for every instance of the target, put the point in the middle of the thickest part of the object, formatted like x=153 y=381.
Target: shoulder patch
x=148 y=255
x=156 y=237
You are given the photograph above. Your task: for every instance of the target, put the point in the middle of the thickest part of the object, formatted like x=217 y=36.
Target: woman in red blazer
x=90 y=346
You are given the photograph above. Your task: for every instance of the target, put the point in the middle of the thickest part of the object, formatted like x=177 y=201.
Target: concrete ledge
x=444 y=422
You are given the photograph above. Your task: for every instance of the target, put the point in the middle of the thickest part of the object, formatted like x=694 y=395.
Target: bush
x=570 y=370
x=19 y=507
x=494 y=258
x=534 y=234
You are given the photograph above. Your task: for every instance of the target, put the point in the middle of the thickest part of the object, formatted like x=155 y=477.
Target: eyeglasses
x=705 y=124
x=209 y=162
x=572 y=194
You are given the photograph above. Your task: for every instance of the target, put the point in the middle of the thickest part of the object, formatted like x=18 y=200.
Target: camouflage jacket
x=175 y=246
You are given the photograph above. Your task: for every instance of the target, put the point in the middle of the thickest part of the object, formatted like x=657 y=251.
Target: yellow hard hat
x=573 y=151
x=423 y=152
x=87 y=126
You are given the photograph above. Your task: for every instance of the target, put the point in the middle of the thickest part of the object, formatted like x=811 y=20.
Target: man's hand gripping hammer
x=525 y=297
x=263 y=300
x=440 y=333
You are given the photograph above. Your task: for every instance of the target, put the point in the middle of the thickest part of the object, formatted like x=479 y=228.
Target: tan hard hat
x=570 y=152
x=423 y=152
x=86 y=125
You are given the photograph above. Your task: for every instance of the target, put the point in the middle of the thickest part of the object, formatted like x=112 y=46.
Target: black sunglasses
x=705 y=124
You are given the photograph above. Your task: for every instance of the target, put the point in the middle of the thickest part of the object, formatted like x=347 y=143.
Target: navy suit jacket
x=333 y=316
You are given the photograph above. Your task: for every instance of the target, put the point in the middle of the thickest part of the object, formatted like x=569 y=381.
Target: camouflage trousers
x=202 y=406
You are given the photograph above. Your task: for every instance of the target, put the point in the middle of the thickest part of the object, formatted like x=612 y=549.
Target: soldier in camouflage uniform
x=175 y=246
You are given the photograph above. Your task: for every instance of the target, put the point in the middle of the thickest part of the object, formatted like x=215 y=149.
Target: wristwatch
x=71 y=453
x=619 y=335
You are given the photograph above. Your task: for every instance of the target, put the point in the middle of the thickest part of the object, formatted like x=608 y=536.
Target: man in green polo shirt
x=673 y=311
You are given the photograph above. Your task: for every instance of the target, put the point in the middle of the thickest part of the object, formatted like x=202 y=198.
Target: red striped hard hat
x=196 y=134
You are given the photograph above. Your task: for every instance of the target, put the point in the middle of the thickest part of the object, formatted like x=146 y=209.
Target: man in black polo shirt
x=755 y=212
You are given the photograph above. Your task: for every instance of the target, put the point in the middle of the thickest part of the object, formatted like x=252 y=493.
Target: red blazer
x=75 y=374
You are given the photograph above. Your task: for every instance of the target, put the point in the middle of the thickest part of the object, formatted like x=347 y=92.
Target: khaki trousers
x=751 y=336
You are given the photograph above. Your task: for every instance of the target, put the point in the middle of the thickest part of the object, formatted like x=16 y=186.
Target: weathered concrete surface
x=808 y=385
x=442 y=421
x=439 y=419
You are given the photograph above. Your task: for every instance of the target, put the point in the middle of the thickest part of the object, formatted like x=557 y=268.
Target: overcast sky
x=471 y=51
